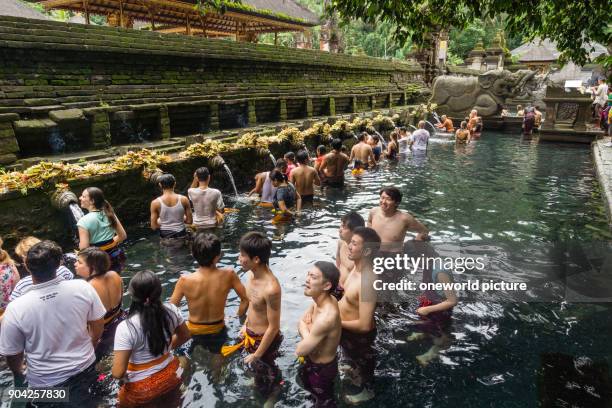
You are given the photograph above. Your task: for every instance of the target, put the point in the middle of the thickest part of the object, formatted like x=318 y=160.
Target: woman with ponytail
x=100 y=227
x=93 y=265
x=8 y=277
x=286 y=196
x=143 y=344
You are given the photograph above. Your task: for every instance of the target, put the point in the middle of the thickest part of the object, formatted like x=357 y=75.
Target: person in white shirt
x=21 y=250
x=143 y=345
x=601 y=98
x=207 y=202
x=420 y=138
x=49 y=324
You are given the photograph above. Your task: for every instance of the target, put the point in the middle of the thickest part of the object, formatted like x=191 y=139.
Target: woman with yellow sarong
x=143 y=345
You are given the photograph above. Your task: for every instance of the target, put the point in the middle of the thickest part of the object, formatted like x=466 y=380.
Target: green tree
x=569 y=23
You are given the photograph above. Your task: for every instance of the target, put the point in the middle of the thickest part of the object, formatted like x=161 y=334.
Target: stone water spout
x=67 y=201
x=267 y=152
x=217 y=162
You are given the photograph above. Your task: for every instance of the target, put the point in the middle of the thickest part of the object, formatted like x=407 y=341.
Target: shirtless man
x=334 y=164
x=445 y=124
x=261 y=335
x=392 y=224
x=357 y=308
x=304 y=178
x=320 y=329
x=363 y=151
x=348 y=223
x=206 y=291
x=263 y=184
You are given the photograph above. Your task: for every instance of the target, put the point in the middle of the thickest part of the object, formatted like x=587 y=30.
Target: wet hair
x=97 y=197
x=519 y=107
x=256 y=244
x=43 y=259
x=22 y=248
x=202 y=174
x=352 y=220
x=281 y=163
x=96 y=260
x=302 y=157
x=277 y=175
x=343 y=149
x=376 y=138
x=443 y=116
x=5 y=258
x=392 y=192
x=363 y=136
x=336 y=144
x=166 y=181
x=370 y=238
x=205 y=248
x=358 y=163
x=331 y=274
x=393 y=136
x=463 y=124
x=321 y=149
x=403 y=129
x=421 y=124
x=155 y=321
x=289 y=156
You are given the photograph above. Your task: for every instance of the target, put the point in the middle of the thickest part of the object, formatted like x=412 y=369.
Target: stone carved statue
x=456 y=96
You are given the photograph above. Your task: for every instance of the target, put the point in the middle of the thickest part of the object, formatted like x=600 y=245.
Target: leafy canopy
x=571 y=24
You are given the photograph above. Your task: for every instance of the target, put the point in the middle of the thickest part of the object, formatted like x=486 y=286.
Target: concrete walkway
x=602 y=156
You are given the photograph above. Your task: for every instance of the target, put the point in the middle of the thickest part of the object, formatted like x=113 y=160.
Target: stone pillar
x=283 y=110
x=9 y=148
x=390 y=105
x=164 y=122
x=354 y=105
x=332 y=106
x=373 y=102
x=100 y=127
x=214 y=116
x=309 y=109
x=252 y=113
x=405 y=99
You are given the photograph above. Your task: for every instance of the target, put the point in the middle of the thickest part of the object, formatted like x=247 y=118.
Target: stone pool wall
x=602 y=156
x=76 y=87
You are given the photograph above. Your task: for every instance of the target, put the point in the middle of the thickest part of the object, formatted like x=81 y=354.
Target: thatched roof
x=288 y=7
x=16 y=8
x=246 y=19
x=545 y=50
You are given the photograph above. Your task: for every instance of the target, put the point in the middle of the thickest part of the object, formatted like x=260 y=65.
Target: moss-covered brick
x=164 y=122
x=252 y=113
x=283 y=109
x=332 y=106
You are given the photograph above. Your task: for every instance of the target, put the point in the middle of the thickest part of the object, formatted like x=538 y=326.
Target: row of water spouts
x=69 y=200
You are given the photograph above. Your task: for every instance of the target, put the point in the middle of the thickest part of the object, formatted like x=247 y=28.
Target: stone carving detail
x=456 y=96
x=567 y=111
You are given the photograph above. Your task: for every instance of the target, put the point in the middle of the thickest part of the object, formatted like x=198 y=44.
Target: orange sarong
x=248 y=342
x=198 y=329
x=141 y=392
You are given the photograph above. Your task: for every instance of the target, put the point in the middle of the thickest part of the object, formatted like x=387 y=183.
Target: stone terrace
x=68 y=87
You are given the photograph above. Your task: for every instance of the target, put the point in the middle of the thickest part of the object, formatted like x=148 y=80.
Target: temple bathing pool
x=510 y=199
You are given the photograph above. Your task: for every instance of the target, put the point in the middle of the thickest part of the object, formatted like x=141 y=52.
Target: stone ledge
x=602 y=156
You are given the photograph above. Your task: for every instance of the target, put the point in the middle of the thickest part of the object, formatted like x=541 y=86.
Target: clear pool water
x=509 y=198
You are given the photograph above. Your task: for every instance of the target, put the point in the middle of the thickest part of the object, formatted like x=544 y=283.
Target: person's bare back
x=206 y=291
x=363 y=151
x=304 y=178
x=334 y=165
